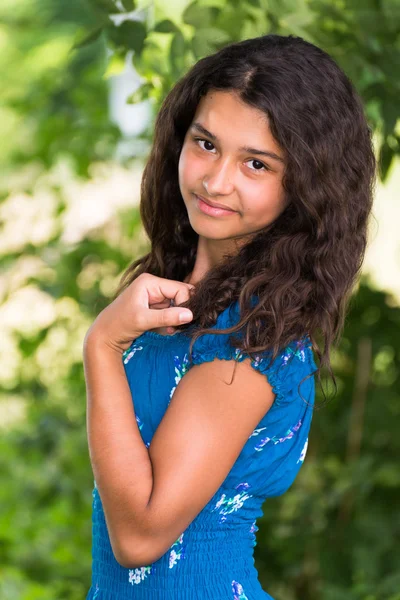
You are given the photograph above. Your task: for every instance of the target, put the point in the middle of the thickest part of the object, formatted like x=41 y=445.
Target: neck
x=209 y=254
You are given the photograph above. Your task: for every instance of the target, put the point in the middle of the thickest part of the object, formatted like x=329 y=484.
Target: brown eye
x=198 y=140
x=258 y=165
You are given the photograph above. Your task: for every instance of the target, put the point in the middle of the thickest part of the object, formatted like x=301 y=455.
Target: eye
x=198 y=140
x=259 y=165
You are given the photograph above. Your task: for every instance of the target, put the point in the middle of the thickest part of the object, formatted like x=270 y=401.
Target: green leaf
x=297 y=22
x=88 y=38
x=116 y=65
x=140 y=94
x=386 y=156
x=130 y=35
x=105 y=6
x=391 y=11
x=177 y=53
x=207 y=40
x=165 y=26
x=200 y=16
x=128 y=5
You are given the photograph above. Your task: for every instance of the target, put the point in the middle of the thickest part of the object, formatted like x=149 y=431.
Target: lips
x=214 y=204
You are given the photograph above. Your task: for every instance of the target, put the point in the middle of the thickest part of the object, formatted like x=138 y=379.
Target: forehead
x=225 y=115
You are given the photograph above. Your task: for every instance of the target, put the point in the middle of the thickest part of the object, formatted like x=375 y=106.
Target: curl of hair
x=304 y=265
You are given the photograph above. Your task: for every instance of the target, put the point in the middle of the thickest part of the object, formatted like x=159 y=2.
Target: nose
x=219 y=178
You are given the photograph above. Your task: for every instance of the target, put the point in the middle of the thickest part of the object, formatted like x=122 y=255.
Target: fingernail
x=186 y=316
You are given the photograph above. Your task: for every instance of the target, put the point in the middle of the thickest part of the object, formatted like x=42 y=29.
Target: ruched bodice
x=213 y=558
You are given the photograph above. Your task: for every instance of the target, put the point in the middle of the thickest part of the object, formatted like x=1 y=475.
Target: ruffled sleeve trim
x=283 y=374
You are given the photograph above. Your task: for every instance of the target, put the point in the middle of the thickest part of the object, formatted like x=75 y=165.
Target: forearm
x=120 y=460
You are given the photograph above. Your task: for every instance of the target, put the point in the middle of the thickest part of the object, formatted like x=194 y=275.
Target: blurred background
x=81 y=82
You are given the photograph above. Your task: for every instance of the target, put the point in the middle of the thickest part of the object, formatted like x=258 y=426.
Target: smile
x=213 y=211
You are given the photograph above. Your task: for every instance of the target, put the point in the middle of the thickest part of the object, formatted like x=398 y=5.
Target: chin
x=211 y=231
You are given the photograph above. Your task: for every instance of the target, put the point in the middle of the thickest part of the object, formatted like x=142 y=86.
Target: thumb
x=170 y=317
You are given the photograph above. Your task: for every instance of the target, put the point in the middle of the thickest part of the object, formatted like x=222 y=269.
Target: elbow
x=129 y=562
x=124 y=559
x=132 y=562
x=135 y=553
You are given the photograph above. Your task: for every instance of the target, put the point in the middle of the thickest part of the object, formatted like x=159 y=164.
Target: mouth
x=212 y=208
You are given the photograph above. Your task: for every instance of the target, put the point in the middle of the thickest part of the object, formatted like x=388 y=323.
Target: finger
x=159 y=289
x=183 y=295
x=168 y=317
x=165 y=304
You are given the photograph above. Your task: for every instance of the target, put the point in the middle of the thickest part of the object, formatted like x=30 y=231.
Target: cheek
x=184 y=161
x=189 y=168
x=265 y=203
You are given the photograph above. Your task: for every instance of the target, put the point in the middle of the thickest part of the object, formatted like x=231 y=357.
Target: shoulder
x=292 y=367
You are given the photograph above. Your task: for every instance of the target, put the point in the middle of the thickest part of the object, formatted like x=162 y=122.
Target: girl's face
x=230 y=158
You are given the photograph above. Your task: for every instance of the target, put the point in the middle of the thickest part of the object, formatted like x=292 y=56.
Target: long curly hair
x=303 y=266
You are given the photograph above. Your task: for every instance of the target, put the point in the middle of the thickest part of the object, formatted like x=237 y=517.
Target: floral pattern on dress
x=140 y=426
x=237 y=354
x=276 y=440
x=299 y=351
x=232 y=504
x=139 y=422
x=238 y=591
x=138 y=575
x=253 y=530
x=177 y=552
x=303 y=452
x=253 y=527
x=129 y=352
x=257 y=431
x=180 y=370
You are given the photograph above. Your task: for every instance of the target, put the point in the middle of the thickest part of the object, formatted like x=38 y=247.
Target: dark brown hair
x=303 y=266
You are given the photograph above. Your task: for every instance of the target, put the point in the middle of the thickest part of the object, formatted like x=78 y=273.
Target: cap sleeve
x=284 y=374
x=275 y=451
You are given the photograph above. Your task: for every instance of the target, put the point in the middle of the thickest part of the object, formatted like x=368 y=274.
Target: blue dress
x=213 y=557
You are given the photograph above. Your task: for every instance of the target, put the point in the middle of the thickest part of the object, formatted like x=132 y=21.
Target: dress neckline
x=155 y=334
x=158 y=338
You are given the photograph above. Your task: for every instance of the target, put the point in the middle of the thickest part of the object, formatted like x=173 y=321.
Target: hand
x=145 y=304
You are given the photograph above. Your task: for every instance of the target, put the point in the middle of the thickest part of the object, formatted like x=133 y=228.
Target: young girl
x=200 y=373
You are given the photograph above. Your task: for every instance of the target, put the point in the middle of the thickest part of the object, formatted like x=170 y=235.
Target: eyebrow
x=213 y=137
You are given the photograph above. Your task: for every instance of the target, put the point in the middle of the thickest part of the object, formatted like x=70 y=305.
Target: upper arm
x=196 y=444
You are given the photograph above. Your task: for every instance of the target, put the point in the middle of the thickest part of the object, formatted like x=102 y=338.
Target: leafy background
x=70 y=225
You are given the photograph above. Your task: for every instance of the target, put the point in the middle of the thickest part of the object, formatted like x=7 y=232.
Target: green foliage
x=362 y=37
x=338 y=527
x=335 y=533
x=54 y=97
x=54 y=100
x=129 y=35
x=46 y=479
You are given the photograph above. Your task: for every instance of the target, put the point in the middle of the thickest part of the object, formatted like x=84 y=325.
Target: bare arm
x=150 y=496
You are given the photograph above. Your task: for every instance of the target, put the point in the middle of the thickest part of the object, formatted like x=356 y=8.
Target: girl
x=200 y=373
